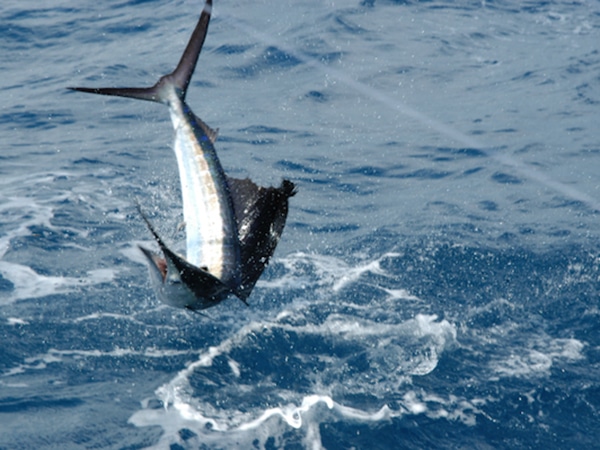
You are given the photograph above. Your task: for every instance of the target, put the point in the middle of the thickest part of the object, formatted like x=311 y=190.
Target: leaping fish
x=232 y=225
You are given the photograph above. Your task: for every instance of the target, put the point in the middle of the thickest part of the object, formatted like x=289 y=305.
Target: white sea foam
x=123 y=317
x=56 y=356
x=538 y=358
x=330 y=272
x=16 y=321
x=273 y=426
x=28 y=284
x=25 y=213
x=30 y=212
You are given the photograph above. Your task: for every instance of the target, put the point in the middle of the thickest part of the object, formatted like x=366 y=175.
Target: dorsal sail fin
x=260 y=214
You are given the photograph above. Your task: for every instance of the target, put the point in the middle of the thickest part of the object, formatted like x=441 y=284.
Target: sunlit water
x=437 y=282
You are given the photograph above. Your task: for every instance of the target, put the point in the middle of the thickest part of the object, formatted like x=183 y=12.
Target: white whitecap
x=28 y=284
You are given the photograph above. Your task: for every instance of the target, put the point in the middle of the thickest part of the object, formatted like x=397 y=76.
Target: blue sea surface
x=436 y=286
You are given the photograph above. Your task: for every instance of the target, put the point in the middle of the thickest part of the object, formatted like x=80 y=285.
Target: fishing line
x=395 y=105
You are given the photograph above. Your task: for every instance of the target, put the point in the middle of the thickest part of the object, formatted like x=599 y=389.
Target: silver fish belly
x=211 y=229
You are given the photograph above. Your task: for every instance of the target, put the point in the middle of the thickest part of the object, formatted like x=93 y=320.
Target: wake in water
x=320 y=360
x=360 y=351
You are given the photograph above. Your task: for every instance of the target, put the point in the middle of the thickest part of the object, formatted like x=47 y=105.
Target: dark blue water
x=437 y=285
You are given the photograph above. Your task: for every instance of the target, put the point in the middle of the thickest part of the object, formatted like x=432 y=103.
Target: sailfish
x=232 y=225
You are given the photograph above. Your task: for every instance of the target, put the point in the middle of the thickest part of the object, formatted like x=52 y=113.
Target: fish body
x=232 y=225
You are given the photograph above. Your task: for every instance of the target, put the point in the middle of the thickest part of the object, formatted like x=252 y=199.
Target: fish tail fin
x=151 y=94
x=178 y=79
x=182 y=74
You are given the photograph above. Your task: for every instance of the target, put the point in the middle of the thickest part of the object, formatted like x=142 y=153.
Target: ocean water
x=436 y=286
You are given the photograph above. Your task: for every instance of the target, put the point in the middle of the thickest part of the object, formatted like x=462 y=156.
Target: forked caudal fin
x=179 y=79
